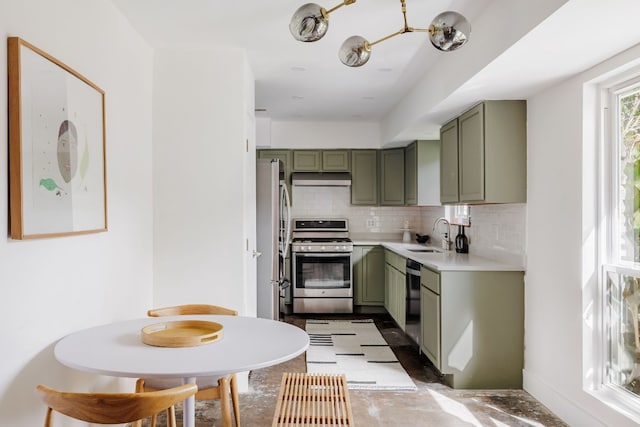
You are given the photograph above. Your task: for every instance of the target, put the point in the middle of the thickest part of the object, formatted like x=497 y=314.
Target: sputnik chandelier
x=448 y=31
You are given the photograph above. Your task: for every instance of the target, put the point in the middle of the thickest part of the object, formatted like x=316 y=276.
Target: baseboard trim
x=556 y=402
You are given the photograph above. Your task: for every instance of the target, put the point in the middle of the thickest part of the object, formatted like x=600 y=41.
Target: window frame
x=608 y=253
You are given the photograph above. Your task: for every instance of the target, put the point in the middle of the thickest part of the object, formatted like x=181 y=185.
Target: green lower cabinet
x=368 y=275
x=473 y=327
x=395 y=287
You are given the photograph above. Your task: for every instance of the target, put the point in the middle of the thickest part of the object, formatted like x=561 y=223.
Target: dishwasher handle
x=413 y=267
x=413 y=272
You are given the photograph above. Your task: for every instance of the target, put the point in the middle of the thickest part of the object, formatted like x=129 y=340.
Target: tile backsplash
x=497 y=231
x=335 y=202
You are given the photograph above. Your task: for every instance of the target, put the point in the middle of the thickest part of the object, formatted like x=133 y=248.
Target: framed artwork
x=57 y=170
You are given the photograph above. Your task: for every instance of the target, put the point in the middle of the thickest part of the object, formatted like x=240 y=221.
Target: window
x=621 y=275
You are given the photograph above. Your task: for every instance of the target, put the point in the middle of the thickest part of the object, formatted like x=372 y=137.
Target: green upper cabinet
x=392 y=177
x=282 y=155
x=471 y=159
x=449 y=162
x=321 y=161
x=307 y=161
x=491 y=154
x=285 y=157
x=422 y=173
x=364 y=177
x=335 y=161
x=411 y=174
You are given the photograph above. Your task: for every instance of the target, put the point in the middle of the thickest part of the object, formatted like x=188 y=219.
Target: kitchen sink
x=437 y=251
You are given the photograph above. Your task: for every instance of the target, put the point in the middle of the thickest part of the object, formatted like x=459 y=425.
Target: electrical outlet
x=371 y=222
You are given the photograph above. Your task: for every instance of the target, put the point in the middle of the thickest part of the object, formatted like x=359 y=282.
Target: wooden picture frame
x=57 y=158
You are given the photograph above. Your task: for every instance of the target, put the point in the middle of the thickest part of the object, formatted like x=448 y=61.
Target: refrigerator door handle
x=256 y=254
x=285 y=204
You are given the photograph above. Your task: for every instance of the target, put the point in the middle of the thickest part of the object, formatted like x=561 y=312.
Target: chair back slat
x=111 y=408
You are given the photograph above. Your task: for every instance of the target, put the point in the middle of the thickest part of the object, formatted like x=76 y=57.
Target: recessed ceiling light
x=297 y=97
x=385 y=70
x=298 y=69
x=368 y=98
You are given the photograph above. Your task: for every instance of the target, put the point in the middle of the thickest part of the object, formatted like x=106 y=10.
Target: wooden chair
x=209 y=388
x=112 y=408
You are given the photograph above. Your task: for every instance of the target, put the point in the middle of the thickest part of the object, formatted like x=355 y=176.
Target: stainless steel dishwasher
x=412 y=319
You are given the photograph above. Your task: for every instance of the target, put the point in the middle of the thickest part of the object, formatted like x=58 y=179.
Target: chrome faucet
x=445 y=236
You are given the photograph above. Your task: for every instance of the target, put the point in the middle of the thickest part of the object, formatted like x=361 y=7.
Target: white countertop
x=442 y=261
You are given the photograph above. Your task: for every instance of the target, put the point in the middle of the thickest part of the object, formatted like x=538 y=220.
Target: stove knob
x=322 y=248
x=344 y=248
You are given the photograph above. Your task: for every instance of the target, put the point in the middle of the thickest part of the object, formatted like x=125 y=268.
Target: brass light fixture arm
x=325 y=13
x=406 y=29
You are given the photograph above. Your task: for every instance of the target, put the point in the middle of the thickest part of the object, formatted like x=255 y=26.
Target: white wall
x=560 y=250
x=52 y=287
x=200 y=112
x=324 y=135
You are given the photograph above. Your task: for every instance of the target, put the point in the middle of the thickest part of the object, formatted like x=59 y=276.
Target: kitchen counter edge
x=445 y=261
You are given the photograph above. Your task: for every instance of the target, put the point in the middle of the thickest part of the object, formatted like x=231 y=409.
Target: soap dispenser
x=462 y=243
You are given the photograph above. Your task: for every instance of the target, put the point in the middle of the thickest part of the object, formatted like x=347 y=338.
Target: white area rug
x=357 y=349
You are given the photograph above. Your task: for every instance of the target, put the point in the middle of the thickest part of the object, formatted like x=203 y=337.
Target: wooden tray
x=182 y=333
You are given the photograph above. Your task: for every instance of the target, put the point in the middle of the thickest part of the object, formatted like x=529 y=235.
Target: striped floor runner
x=357 y=349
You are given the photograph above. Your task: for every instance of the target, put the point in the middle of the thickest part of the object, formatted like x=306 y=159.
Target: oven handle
x=321 y=254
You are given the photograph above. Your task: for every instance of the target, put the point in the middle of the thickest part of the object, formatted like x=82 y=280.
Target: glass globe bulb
x=355 y=51
x=449 y=31
x=309 y=23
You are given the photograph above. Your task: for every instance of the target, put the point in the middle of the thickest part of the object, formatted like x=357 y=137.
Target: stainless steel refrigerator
x=273 y=229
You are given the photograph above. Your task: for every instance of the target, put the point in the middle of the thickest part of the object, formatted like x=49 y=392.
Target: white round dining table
x=116 y=349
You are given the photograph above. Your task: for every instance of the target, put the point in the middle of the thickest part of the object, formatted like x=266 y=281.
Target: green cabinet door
x=282 y=155
x=285 y=157
x=307 y=161
x=392 y=177
x=335 y=161
x=368 y=275
x=422 y=173
x=374 y=272
x=401 y=298
x=430 y=325
x=411 y=174
x=395 y=287
x=364 y=177
x=358 y=274
x=471 y=155
x=449 y=162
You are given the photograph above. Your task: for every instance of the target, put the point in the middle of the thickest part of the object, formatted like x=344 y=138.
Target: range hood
x=321 y=179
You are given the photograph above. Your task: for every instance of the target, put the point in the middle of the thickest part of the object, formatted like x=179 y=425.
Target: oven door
x=326 y=275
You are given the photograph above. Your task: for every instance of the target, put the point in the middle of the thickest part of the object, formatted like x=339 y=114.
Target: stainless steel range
x=322 y=266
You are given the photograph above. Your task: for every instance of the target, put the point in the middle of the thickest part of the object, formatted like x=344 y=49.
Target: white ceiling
x=517 y=47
